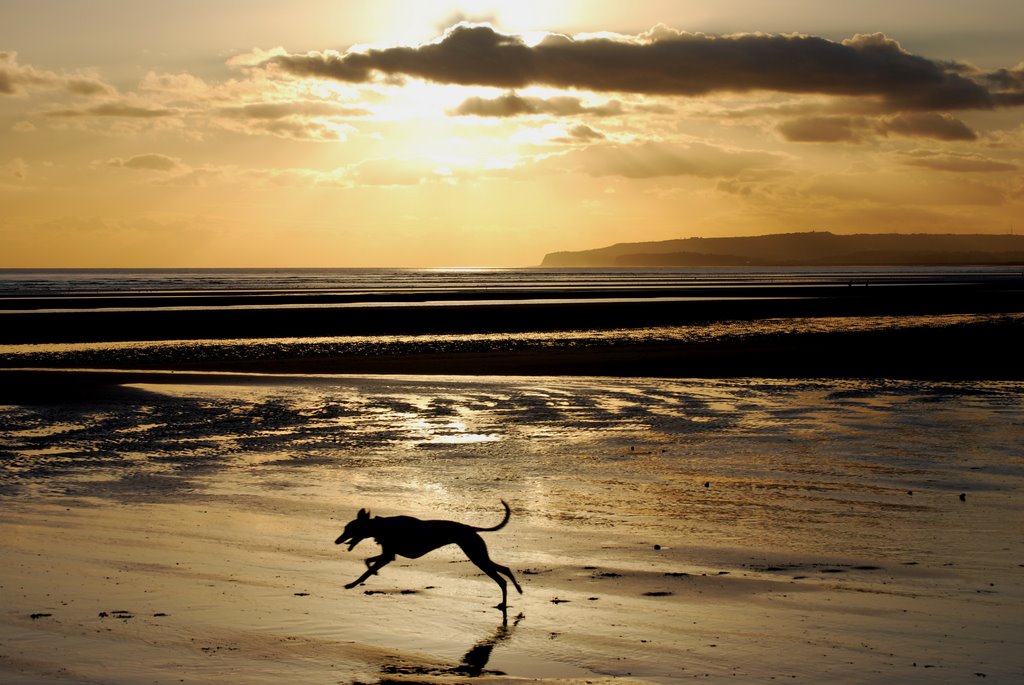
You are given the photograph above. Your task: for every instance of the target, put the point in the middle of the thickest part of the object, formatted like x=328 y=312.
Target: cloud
x=299 y=120
x=510 y=105
x=254 y=106
x=282 y=110
x=1010 y=84
x=16 y=169
x=807 y=107
x=87 y=87
x=16 y=79
x=655 y=159
x=579 y=134
x=901 y=189
x=298 y=129
x=229 y=175
x=179 y=85
x=927 y=125
x=255 y=57
x=826 y=129
x=966 y=163
x=833 y=129
x=147 y=162
x=113 y=109
x=584 y=132
x=666 y=62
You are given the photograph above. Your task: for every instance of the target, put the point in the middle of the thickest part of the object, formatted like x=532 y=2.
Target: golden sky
x=329 y=133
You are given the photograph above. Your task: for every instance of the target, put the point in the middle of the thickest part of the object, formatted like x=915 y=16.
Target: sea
x=84 y=291
x=57 y=282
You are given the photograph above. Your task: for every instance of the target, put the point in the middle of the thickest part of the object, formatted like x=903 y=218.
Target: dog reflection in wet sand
x=412 y=537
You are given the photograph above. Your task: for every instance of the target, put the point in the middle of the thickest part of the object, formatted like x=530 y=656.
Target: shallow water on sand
x=683 y=508
x=841 y=442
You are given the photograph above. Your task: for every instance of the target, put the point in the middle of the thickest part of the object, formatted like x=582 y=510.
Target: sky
x=317 y=133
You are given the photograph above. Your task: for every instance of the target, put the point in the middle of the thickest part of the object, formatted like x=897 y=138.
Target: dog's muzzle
x=352 y=542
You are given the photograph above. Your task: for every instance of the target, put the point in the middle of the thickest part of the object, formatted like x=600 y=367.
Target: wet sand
x=247 y=588
x=179 y=528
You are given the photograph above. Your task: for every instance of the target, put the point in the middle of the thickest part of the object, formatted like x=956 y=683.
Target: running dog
x=412 y=537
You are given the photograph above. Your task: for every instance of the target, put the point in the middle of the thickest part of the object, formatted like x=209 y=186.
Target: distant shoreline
x=806 y=249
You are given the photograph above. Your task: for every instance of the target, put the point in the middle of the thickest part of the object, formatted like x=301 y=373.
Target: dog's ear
x=363 y=514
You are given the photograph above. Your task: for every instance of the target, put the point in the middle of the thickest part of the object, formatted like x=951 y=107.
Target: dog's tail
x=508 y=515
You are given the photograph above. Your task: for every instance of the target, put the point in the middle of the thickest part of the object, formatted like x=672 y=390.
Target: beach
x=744 y=488
x=490 y=343
x=175 y=527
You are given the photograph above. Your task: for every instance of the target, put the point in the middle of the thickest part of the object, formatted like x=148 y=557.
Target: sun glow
x=425 y=21
x=420 y=100
x=418 y=127
x=519 y=16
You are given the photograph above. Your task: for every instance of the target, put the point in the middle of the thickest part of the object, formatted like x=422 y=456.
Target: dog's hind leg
x=493 y=571
x=501 y=583
x=476 y=551
x=508 y=572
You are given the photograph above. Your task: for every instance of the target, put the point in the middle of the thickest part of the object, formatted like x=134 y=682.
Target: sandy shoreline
x=178 y=527
x=208 y=591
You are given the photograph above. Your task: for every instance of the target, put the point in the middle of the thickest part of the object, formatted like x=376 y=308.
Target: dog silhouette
x=411 y=537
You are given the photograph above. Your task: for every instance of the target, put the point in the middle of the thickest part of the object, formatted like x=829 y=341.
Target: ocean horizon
x=27 y=281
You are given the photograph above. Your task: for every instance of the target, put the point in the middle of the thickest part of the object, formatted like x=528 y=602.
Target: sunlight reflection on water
x=785 y=454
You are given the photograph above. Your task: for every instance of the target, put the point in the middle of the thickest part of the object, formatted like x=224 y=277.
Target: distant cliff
x=806 y=249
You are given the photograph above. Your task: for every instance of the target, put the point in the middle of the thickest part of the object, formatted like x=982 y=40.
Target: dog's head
x=357 y=530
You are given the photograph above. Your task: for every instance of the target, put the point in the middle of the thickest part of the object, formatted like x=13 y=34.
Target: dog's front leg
x=361 y=579
x=373 y=564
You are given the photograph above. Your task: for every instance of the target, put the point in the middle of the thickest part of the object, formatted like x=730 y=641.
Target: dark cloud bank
x=667 y=62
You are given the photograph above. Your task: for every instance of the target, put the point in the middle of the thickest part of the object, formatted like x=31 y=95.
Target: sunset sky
x=330 y=133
